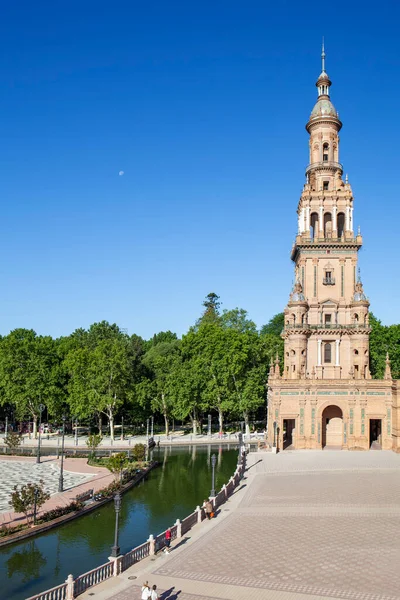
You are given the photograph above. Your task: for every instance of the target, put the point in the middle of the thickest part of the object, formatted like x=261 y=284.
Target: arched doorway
x=332 y=427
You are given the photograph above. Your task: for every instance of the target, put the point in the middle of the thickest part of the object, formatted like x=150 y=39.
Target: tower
x=326 y=328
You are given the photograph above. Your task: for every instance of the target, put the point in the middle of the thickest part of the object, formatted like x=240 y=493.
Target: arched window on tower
x=327 y=225
x=340 y=224
x=325 y=152
x=313 y=226
x=327 y=352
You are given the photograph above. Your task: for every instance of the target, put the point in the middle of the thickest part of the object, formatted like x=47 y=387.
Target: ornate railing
x=330 y=164
x=72 y=588
x=91 y=578
x=56 y=593
x=354 y=326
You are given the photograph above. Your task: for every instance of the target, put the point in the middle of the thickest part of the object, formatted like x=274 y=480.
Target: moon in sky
x=121 y=173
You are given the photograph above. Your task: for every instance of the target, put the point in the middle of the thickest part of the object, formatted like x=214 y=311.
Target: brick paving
x=306 y=525
x=78 y=477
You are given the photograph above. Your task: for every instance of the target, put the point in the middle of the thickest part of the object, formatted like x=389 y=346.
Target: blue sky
x=202 y=105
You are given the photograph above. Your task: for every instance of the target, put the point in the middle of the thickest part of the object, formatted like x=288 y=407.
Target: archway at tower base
x=332 y=427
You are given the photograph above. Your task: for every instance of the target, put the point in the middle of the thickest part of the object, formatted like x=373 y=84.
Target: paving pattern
x=18 y=472
x=170 y=594
x=310 y=523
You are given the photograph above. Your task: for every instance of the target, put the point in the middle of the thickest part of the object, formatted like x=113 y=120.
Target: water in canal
x=171 y=491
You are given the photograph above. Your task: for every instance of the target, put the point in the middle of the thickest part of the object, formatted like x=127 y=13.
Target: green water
x=171 y=491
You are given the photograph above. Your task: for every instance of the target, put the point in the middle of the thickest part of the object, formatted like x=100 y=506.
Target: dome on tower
x=323 y=108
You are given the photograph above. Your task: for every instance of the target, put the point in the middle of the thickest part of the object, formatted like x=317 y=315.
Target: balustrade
x=91 y=578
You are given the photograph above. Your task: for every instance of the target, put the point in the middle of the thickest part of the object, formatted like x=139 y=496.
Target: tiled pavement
x=308 y=525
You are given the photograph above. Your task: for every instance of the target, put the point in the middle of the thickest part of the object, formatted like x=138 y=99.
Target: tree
x=102 y=371
x=211 y=309
x=274 y=325
x=23 y=499
x=30 y=373
x=160 y=361
x=93 y=441
x=237 y=319
x=116 y=464
x=12 y=440
x=139 y=452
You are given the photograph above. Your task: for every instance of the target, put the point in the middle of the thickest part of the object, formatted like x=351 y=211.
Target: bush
x=139 y=452
x=23 y=499
x=60 y=511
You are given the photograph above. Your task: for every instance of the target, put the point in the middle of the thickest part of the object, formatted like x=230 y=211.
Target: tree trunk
x=100 y=424
x=195 y=423
x=220 y=420
x=165 y=412
x=246 y=423
x=111 y=423
x=35 y=426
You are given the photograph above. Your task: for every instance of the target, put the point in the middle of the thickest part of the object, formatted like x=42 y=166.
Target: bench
x=85 y=496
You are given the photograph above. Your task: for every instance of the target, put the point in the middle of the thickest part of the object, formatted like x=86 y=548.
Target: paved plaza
x=14 y=472
x=305 y=525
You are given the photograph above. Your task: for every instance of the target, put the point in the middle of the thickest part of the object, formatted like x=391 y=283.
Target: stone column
x=351 y=219
x=347 y=218
x=334 y=219
x=319 y=353
x=70 y=588
x=321 y=218
x=307 y=218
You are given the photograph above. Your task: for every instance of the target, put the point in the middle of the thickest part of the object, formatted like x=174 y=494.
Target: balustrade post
x=225 y=490
x=152 y=547
x=178 y=529
x=198 y=510
x=70 y=588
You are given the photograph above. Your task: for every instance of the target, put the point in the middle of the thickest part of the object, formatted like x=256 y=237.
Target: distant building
x=326 y=397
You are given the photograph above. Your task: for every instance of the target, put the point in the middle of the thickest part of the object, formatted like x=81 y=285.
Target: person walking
x=146 y=591
x=154 y=595
x=208 y=507
x=168 y=536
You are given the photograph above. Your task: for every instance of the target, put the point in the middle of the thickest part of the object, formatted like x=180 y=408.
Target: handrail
x=153 y=545
x=330 y=164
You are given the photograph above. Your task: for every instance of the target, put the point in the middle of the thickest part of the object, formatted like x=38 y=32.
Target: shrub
x=23 y=499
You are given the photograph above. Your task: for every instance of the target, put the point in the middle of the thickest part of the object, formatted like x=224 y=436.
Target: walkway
x=78 y=477
x=304 y=526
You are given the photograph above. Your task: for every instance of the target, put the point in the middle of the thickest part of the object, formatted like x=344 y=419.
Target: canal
x=171 y=491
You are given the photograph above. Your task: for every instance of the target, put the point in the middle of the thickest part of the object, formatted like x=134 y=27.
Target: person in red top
x=167 y=540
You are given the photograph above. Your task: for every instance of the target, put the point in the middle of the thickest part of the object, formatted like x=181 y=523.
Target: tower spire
x=323 y=56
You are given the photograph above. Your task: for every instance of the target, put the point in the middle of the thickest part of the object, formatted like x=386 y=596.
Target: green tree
x=30 y=373
x=23 y=498
x=116 y=464
x=93 y=442
x=12 y=440
x=211 y=309
x=102 y=371
x=274 y=325
x=139 y=452
x=160 y=361
x=237 y=319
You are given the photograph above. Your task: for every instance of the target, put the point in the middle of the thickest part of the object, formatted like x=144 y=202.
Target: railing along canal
x=72 y=588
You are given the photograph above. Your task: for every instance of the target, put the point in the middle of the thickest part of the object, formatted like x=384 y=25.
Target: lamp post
x=240 y=436
x=117 y=505
x=61 y=478
x=35 y=497
x=152 y=427
x=213 y=463
x=209 y=425
x=41 y=409
x=6 y=428
x=274 y=434
x=76 y=431
x=122 y=428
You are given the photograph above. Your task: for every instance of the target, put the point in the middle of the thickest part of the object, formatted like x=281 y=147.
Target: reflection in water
x=26 y=563
x=171 y=491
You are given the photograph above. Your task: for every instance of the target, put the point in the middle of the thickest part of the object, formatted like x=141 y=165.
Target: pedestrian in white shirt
x=146 y=591
x=154 y=595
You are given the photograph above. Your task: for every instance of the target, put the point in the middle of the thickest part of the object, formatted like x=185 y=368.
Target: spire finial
x=323 y=55
x=359 y=275
x=347 y=178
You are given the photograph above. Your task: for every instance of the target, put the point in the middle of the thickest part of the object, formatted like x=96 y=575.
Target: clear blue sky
x=203 y=106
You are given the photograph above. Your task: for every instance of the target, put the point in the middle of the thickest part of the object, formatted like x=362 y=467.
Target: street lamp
x=274 y=434
x=61 y=478
x=213 y=463
x=117 y=505
x=35 y=497
x=240 y=436
x=41 y=409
